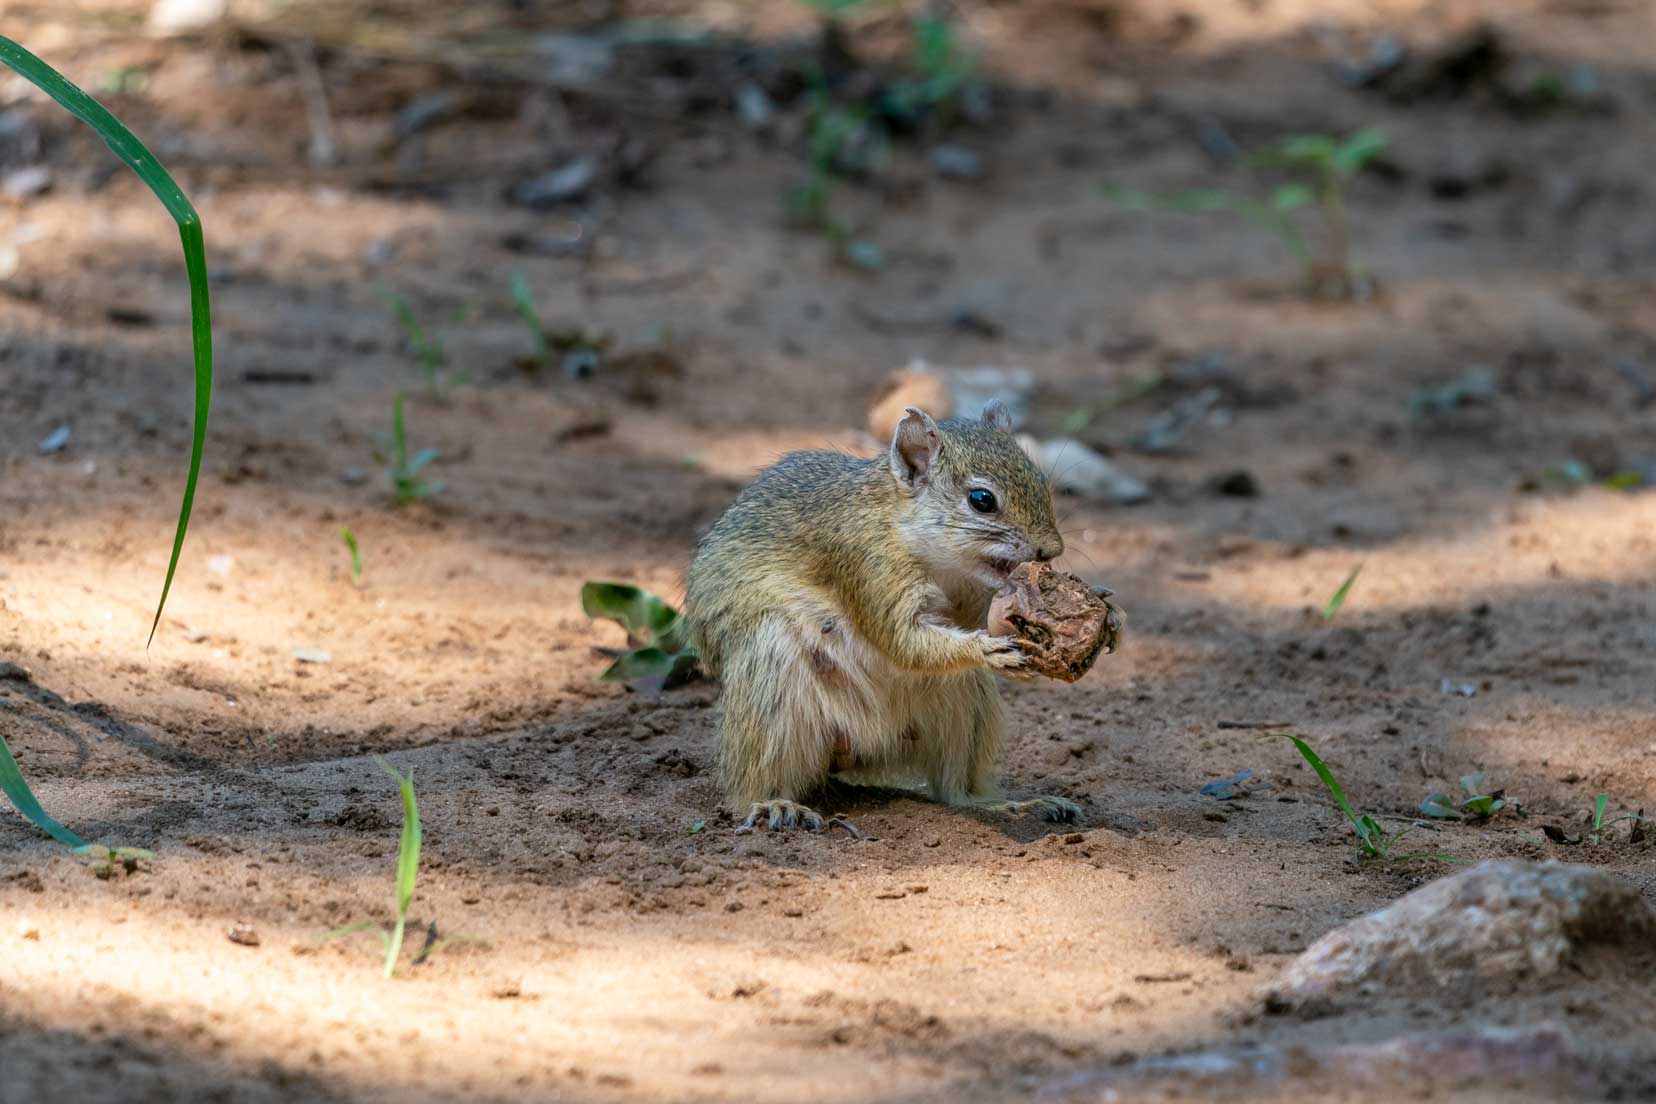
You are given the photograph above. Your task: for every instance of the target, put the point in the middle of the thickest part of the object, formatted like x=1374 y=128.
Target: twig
x=323 y=149
x=1256 y=724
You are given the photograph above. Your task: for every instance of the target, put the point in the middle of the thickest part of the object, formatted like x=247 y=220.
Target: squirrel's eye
x=982 y=501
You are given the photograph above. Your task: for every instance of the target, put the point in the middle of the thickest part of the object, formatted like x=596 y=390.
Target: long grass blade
x=18 y=793
x=1333 y=785
x=141 y=161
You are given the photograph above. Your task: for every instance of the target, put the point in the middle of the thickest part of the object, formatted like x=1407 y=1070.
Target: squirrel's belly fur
x=807 y=696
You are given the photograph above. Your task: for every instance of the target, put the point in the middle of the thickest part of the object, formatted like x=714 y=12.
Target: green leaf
x=141 y=161
x=1439 y=805
x=1307 y=148
x=1358 y=150
x=1338 y=600
x=17 y=791
x=645 y=616
x=652 y=669
x=1484 y=806
x=1627 y=480
x=1289 y=197
x=1129 y=198
x=1599 y=804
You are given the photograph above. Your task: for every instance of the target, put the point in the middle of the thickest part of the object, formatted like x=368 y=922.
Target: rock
x=1501 y=919
x=1077 y=469
x=1058 y=620
x=1237 y=484
x=915 y=385
x=244 y=933
x=944 y=392
x=27 y=183
x=55 y=441
x=955 y=162
x=312 y=655
x=561 y=185
x=176 y=16
x=753 y=106
x=1415 y=1066
x=974 y=388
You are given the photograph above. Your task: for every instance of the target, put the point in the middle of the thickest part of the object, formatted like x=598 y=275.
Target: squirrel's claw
x=1003 y=654
x=774 y=816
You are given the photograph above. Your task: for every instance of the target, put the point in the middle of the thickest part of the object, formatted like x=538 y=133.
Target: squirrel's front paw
x=1002 y=653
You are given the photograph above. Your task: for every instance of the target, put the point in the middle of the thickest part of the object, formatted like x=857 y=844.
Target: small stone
x=1079 y=470
x=175 y=16
x=312 y=655
x=243 y=933
x=955 y=162
x=1237 y=484
x=26 y=183
x=753 y=106
x=562 y=185
x=55 y=441
x=221 y=565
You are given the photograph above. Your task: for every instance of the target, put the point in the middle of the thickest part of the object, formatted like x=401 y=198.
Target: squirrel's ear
x=914 y=447
x=996 y=416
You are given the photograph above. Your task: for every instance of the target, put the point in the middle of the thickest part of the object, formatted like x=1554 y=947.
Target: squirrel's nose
x=1049 y=552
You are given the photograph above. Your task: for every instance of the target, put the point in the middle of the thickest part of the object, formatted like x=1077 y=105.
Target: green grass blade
x=18 y=793
x=356 y=553
x=141 y=161
x=408 y=863
x=1332 y=783
x=1334 y=603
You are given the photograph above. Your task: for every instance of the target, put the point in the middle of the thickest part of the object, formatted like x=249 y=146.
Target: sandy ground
x=633 y=947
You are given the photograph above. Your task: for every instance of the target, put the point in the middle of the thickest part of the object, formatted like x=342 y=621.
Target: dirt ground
x=635 y=948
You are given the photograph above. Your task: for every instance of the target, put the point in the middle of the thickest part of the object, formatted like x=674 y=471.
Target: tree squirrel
x=842 y=602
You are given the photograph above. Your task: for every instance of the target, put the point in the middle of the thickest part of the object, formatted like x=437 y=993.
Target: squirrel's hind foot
x=1059 y=809
x=774 y=816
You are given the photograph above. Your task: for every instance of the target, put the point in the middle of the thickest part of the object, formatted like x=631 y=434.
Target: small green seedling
x=355 y=550
x=1372 y=838
x=1332 y=607
x=1477 y=806
x=1469 y=389
x=1320 y=167
x=1600 y=825
x=124 y=857
x=404 y=470
x=658 y=655
x=408 y=868
x=523 y=301
x=840 y=140
x=944 y=68
x=428 y=351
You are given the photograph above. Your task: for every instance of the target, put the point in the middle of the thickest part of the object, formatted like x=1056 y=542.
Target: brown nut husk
x=1060 y=622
